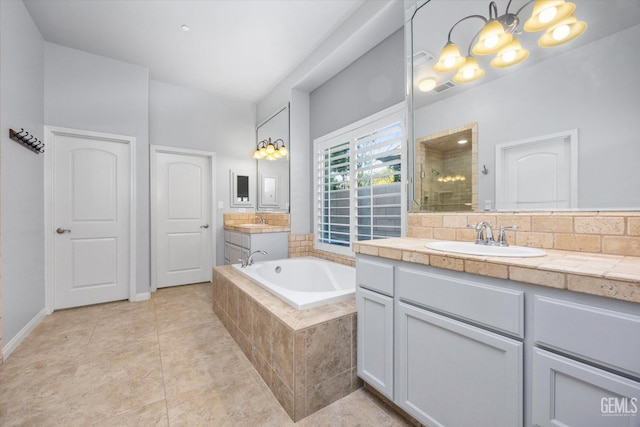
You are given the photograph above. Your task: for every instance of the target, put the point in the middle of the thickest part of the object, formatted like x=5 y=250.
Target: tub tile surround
x=307 y=358
x=604 y=268
x=302 y=245
x=274 y=222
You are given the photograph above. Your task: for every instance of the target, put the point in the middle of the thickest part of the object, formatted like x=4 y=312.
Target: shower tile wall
x=447 y=196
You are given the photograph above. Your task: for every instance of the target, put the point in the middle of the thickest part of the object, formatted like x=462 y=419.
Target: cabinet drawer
x=570 y=393
x=375 y=275
x=238 y=239
x=494 y=307
x=601 y=336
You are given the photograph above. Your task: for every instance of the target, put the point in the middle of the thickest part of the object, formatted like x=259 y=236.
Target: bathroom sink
x=471 y=248
x=252 y=225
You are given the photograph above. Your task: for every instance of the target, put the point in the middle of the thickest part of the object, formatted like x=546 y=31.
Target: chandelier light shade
x=469 y=72
x=270 y=150
x=562 y=32
x=496 y=36
x=491 y=39
x=511 y=54
x=450 y=59
x=547 y=13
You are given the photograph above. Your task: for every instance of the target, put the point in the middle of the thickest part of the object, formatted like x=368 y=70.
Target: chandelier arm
x=522 y=7
x=472 y=42
x=493 y=10
x=464 y=19
x=506 y=12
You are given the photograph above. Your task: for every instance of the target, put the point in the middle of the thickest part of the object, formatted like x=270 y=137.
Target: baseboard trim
x=24 y=332
x=141 y=297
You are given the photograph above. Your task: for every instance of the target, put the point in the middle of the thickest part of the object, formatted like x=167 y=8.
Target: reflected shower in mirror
x=586 y=87
x=446 y=171
x=273 y=171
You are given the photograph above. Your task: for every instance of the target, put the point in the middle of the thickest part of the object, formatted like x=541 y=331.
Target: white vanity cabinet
x=457 y=349
x=584 y=363
x=374 y=302
x=238 y=246
x=451 y=367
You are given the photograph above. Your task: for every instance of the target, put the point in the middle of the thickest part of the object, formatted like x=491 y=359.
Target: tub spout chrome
x=249 y=260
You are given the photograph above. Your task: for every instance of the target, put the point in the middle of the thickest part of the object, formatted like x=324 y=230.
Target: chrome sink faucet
x=249 y=260
x=484 y=234
x=261 y=219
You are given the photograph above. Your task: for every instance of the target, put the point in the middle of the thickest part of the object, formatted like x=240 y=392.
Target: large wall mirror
x=556 y=131
x=273 y=164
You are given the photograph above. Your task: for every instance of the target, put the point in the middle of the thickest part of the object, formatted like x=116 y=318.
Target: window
x=359 y=182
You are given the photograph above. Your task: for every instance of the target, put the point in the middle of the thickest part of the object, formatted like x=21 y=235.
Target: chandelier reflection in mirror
x=497 y=37
x=270 y=150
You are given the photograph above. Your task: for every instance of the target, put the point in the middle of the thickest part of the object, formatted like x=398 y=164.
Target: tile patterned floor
x=163 y=362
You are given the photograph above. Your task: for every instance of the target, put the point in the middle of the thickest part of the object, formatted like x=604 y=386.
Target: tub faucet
x=249 y=260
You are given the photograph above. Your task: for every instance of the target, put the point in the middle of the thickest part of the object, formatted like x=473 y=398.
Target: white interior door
x=182 y=219
x=91 y=219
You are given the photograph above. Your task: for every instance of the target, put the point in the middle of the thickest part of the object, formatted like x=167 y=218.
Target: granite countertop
x=612 y=276
x=257 y=228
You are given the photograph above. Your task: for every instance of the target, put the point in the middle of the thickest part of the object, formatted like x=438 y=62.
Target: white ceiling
x=236 y=48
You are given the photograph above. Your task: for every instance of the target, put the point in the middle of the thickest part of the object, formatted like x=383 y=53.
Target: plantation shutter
x=333 y=210
x=378 y=183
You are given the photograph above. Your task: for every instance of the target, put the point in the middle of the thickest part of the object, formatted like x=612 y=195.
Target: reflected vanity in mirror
x=569 y=108
x=273 y=170
x=240 y=190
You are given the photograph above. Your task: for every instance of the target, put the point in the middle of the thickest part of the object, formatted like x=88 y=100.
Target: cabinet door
x=375 y=340
x=449 y=373
x=235 y=253
x=573 y=394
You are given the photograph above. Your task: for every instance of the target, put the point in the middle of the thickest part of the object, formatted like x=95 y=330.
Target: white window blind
x=359 y=182
x=333 y=226
x=378 y=183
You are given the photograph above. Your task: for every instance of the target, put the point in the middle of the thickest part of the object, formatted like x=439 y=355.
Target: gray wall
x=578 y=89
x=373 y=82
x=300 y=164
x=193 y=119
x=21 y=170
x=91 y=92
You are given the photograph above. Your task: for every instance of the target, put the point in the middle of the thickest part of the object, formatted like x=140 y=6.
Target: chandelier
x=497 y=37
x=270 y=150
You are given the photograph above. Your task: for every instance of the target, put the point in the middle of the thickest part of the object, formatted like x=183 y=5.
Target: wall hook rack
x=28 y=140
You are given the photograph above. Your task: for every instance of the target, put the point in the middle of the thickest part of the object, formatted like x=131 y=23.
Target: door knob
x=63 y=230
x=204 y=226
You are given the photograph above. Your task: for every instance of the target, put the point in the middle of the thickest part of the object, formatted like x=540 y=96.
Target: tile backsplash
x=615 y=233
x=276 y=219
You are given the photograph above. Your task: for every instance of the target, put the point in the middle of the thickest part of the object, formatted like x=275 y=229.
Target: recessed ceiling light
x=427 y=84
x=185 y=27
